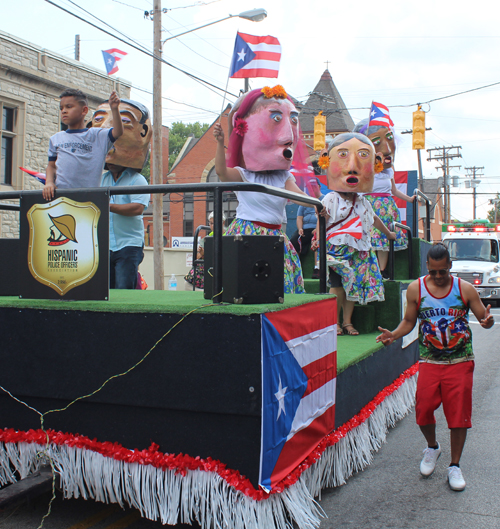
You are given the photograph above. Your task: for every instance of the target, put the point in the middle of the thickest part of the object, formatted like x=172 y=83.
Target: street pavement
x=390 y=493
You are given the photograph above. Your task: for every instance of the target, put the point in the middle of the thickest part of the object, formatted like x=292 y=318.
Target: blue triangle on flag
x=282 y=377
x=109 y=61
x=242 y=55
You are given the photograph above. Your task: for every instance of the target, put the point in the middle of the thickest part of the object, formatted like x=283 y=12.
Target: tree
x=146 y=171
x=492 y=217
x=179 y=132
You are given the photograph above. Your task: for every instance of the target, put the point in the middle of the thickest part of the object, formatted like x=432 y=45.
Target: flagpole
x=224 y=99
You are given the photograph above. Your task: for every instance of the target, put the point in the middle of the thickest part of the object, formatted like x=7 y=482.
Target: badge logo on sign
x=63 y=250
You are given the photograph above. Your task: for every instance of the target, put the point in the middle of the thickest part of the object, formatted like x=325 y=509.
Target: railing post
x=415 y=205
x=217 y=282
x=322 y=255
x=428 y=220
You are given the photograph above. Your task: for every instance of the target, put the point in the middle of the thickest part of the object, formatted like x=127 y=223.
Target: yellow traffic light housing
x=418 y=129
x=319 y=132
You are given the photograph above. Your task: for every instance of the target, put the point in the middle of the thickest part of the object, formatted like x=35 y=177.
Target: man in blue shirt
x=126 y=229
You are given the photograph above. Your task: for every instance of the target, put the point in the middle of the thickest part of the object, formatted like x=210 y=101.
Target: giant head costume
x=264 y=131
x=383 y=140
x=132 y=148
x=352 y=164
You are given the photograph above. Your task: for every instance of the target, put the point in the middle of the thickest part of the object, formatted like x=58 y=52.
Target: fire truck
x=474 y=250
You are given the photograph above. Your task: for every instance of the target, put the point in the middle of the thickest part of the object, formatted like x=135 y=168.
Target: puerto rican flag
x=379 y=115
x=299 y=369
x=255 y=56
x=35 y=174
x=111 y=57
x=401 y=181
x=353 y=227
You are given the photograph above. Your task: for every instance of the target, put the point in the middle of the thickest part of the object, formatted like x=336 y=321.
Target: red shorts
x=449 y=384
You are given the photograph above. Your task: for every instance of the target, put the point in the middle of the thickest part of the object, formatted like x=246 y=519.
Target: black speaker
x=252 y=268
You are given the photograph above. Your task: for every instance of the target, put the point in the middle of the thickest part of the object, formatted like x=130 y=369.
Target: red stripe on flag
x=304 y=319
x=303 y=442
x=254 y=72
x=114 y=70
x=320 y=372
x=252 y=39
x=267 y=56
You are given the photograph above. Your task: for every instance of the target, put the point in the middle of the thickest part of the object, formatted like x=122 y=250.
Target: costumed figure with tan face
x=384 y=190
x=132 y=149
x=264 y=133
x=124 y=161
x=353 y=268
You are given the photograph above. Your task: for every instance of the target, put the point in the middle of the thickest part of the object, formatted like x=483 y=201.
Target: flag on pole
x=35 y=174
x=379 y=115
x=111 y=57
x=299 y=369
x=255 y=57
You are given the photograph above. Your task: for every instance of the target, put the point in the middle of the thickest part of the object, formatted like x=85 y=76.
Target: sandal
x=340 y=331
x=349 y=332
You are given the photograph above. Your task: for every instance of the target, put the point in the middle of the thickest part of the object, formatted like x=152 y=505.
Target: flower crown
x=276 y=91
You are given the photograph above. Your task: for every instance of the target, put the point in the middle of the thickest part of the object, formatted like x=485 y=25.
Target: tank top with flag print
x=445 y=335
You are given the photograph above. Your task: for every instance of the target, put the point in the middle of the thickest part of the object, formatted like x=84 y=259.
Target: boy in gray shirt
x=77 y=155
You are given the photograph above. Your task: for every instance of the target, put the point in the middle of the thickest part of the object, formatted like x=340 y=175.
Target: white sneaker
x=428 y=463
x=455 y=479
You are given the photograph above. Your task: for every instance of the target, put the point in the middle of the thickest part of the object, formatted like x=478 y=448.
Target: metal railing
x=217 y=188
x=395 y=225
x=197 y=261
x=420 y=196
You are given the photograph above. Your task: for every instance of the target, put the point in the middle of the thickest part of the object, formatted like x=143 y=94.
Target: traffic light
x=418 y=129
x=319 y=132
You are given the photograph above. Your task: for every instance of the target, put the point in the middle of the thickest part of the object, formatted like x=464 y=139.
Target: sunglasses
x=442 y=272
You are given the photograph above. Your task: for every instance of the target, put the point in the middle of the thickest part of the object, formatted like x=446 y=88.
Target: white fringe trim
x=204 y=497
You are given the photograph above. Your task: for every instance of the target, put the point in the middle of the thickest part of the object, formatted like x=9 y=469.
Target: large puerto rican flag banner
x=255 y=56
x=401 y=181
x=299 y=368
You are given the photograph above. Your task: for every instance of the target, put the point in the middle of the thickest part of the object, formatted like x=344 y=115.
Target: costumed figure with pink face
x=354 y=273
x=384 y=190
x=264 y=133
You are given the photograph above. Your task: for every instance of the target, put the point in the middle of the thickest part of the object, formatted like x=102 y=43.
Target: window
x=188 y=214
x=7 y=135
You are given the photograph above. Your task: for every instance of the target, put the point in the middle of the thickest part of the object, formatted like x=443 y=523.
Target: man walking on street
x=441 y=303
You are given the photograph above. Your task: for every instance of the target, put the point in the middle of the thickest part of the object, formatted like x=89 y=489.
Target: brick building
x=31 y=79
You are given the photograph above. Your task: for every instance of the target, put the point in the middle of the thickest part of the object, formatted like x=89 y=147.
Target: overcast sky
x=397 y=53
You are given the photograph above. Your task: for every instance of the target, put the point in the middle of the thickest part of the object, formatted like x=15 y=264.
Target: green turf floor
x=350 y=350
x=179 y=302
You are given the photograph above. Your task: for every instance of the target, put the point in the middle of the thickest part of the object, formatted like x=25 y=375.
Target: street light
x=255 y=15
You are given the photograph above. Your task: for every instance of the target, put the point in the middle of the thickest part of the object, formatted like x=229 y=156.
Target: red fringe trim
x=181 y=463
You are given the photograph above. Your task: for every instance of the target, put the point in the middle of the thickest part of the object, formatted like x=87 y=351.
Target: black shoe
x=385 y=274
x=315 y=274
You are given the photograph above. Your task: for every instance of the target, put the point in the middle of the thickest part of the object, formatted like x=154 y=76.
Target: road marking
x=125 y=521
x=96 y=518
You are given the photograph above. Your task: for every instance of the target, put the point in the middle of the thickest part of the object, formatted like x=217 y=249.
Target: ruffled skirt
x=387 y=211
x=359 y=271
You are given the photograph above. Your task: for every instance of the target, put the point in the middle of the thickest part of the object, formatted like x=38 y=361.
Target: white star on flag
x=281 y=399
x=241 y=55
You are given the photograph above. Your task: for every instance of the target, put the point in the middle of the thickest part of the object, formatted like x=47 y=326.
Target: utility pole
x=473 y=172
x=77 y=47
x=157 y=152
x=445 y=154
